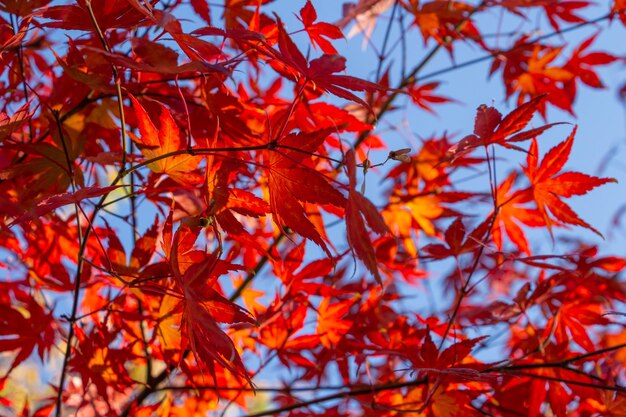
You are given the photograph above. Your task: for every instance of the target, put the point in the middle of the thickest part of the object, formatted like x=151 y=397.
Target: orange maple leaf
x=330 y=326
x=157 y=142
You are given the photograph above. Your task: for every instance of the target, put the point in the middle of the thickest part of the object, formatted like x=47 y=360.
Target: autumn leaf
x=318 y=32
x=365 y=14
x=457 y=242
x=202 y=9
x=571 y=323
x=280 y=321
x=169 y=326
x=547 y=188
x=168 y=299
x=331 y=327
x=25 y=327
x=453 y=403
x=451 y=360
x=529 y=69
x=565 y=11
x=491 y=129
x=163 y=143
x=224 y=202
x=111 y=14
x=423 y=96
x=320 y=72
x=204 y=307
x=619 y=8
x=512 y=213
x=56 y=201
x=444 y=22
x=141 y=254
x=357 y=207
x=582 y=63
x=291 y=183
x=9 y=124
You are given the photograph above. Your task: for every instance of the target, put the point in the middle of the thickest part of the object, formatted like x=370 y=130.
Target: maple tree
x=201 y=214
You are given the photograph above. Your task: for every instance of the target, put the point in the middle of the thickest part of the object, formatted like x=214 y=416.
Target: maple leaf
x=196 y=49
x=292 y=183
x=457 y=241
x=169 y=326
x=300 y=280
x=528 y=68
x=444 y=21
x=153 y=57
x=110 y=14
x=320 y=115
x=9 y=124
x=137 y=309
x=51 y=203
x=554 y=10
x=423 y=96
x=141 y=253
x=565 y=11
x=547 y=188
x=454 y=402
x=358 y=206
x=223 y=201
x=408 y=211
x=491 y=129
x=202 y=9
x=619 y=8
x=204 y=307
x=320 y=72
x=22 y=7
x=365 y=14
x=582 y=64
x=280 y=321
x=157 y=142
x=98 y=362
x=331 y=327
x=571 y=321
x=319 y=31
x=25 y=327
x=450 y=360
x=510 y=213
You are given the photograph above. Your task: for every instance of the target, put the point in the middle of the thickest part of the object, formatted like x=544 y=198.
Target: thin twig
x=355 y=392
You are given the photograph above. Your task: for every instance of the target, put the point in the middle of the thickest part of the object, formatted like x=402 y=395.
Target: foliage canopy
x=203 y=212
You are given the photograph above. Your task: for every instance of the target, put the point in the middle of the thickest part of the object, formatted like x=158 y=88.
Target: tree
x=204 y=212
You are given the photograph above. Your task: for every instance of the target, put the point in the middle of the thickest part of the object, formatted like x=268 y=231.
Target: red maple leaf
x=457 y=241
x=24 y=327
x=491 y=129
x=582 y=64
x=110 y=14
x=319 y=73
x=291 y=183
x=511 y=213
x=320 y=30
x=203 y=306
x=548 y=186
x=358 y=207
x=423 y=96
x=51 y=203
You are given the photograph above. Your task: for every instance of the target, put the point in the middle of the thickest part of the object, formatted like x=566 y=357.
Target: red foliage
x=195 y=209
